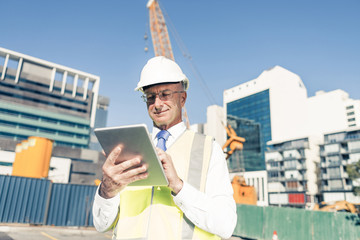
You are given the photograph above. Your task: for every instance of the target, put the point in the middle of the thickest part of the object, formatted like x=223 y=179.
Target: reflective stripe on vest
x=153 y=213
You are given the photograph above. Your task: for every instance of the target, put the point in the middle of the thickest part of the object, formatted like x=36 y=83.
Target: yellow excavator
x=243 y=193
x=338 y=206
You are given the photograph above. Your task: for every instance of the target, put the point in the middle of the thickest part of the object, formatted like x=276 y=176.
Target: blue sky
x=230 y=41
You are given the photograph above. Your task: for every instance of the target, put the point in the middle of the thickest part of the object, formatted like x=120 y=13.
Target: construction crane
x=162 y=47
x=160 y=38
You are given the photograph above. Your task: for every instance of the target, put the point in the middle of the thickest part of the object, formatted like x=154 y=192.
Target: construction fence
x=41 y=202
x=295 y=224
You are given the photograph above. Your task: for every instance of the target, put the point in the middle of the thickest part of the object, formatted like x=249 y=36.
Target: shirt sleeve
x=105 y=211
x=214 y=210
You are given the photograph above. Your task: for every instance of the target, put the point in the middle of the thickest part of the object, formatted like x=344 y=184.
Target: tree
x=353 y=170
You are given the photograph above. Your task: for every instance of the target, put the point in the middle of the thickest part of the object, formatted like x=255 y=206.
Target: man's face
x=166 y=113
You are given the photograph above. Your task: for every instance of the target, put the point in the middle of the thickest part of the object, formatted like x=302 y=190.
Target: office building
x=338 y=150
x=275 y=100
x=45 y=99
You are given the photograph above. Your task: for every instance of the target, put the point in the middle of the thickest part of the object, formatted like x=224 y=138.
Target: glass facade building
x=255 y=108
x=249 y=159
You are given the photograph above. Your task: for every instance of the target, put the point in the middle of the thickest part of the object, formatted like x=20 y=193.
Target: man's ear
x=183 y=98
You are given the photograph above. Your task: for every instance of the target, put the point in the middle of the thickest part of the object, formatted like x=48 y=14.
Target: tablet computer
x=135 y=141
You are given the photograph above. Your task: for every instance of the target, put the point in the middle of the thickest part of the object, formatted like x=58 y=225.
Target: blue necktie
x=162 y=136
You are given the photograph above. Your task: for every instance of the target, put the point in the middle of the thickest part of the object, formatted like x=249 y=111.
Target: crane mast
x=159 y=32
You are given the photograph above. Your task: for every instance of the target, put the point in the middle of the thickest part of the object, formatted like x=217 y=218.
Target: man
x=198 y=202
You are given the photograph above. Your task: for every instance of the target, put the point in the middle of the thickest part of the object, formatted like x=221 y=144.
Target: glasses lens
x=165 y=95
x=150 y=97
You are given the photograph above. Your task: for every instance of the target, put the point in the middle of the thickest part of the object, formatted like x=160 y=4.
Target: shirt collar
x=175 y=131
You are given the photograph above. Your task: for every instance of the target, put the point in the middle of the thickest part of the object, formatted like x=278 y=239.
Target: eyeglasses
x=163 y=95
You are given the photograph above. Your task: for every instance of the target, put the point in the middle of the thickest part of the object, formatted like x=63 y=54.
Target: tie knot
x=163 y=134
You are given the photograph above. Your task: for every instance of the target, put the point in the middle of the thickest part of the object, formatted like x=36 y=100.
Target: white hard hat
x=161 y=70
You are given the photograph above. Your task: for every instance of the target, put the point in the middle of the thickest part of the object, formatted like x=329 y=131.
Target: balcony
x=276 y=179
x=334 y=176
x=324 y=176
x=334 y=164
x=301 y=167
x=278 y=168
x=290 y=168
x=355 y=150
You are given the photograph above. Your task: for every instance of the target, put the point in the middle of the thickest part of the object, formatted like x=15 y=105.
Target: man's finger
x=113 y=155
x=125 y=165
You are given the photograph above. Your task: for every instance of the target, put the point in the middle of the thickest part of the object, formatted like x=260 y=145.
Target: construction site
x=288 y=182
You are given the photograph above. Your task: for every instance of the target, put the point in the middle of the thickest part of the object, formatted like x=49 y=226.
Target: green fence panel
x=289 y=223
x=349 y=225
x=323 y=226
x=295 y=224
x=250 y=221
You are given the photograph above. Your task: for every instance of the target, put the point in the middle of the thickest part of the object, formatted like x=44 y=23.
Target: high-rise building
x=339 y=149
x=45 y=99
x=275 y=100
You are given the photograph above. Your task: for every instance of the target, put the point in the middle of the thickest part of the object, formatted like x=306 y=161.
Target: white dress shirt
x=213 y=211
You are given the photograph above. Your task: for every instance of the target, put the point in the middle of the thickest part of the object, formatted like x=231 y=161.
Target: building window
x=292 y=185
x=351 y=120
x=274 y=164
x=49 y=120
x=350 y=113
x=7 y=124
x=273 y=174
x=350 y=107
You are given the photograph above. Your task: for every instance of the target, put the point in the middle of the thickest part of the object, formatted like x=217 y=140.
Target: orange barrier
x=32 y=158
x=243 y=194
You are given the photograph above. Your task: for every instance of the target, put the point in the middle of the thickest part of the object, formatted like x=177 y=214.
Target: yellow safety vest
x=150 y=212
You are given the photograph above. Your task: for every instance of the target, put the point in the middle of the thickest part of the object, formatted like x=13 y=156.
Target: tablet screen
x=135 y=141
